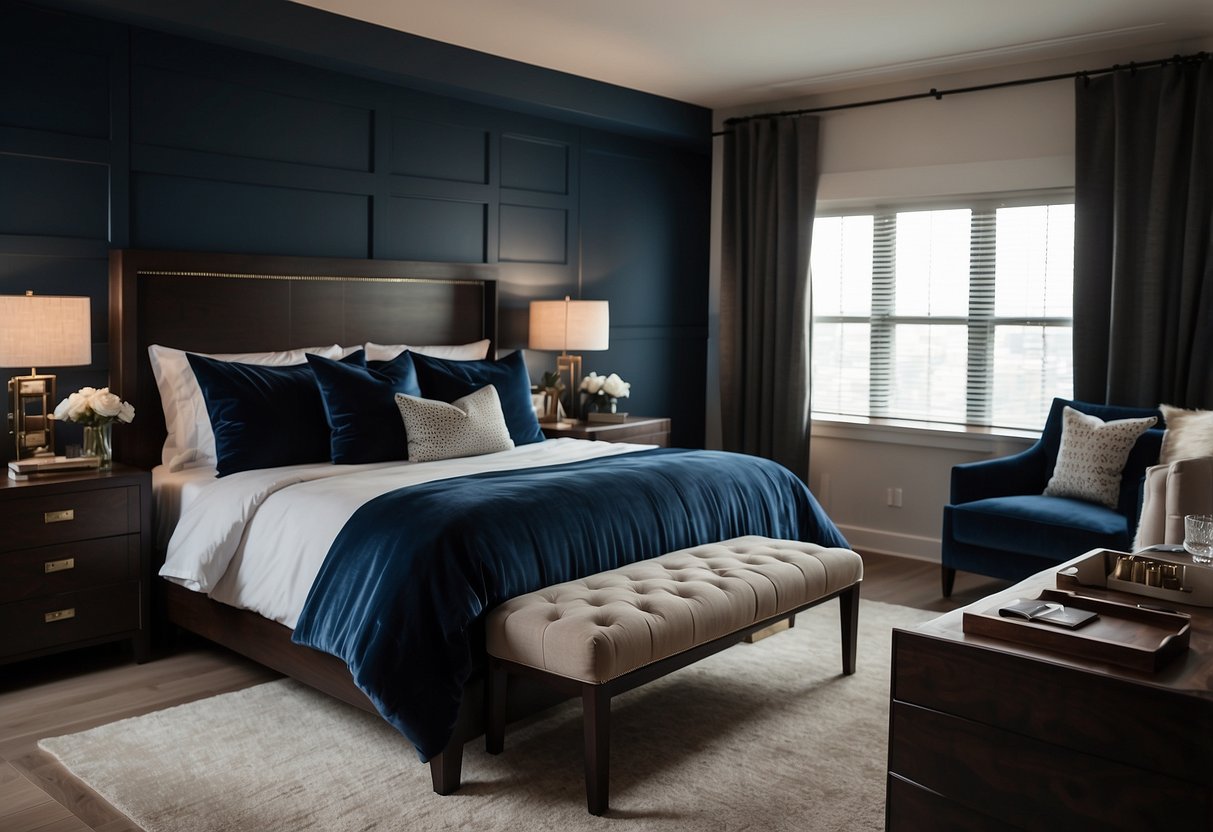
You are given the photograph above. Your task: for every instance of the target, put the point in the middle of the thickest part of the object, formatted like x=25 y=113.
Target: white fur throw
x=469 y=426
x=1189 y=434
x=1092 y=455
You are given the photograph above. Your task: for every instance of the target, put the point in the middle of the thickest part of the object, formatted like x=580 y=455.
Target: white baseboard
x=892 y=543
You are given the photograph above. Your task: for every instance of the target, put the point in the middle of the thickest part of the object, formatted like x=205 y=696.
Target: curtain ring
x=938 y=95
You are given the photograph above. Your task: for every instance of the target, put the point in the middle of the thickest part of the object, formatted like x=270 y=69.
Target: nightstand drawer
x=67 y=567
x=47 y=519
x=40 y=623
x=639 y=430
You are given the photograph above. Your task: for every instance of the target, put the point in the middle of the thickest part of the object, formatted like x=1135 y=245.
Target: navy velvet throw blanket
x=413 y=569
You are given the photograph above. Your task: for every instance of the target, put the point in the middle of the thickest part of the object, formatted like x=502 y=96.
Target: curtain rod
x=1085 y=74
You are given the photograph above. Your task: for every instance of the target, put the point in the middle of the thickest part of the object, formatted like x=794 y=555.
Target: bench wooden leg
x=446 y=768
x=596 y=722
x=495 y=699
x=848 y=608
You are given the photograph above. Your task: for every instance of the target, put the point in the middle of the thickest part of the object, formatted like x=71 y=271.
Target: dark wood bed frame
x=242 y=303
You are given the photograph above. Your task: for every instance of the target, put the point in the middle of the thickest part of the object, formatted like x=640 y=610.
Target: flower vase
x=99 y=442
x=601 y=404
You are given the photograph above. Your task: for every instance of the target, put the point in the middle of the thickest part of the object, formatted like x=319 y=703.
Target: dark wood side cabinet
x=74 y=562
x=641 y=430
x=989 y=735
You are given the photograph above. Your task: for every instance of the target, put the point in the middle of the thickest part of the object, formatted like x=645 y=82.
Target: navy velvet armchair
x=1000 y=523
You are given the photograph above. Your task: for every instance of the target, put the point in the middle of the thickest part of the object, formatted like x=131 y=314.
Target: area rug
x=766 y=736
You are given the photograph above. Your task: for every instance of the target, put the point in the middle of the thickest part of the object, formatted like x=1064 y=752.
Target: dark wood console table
x=990 y=735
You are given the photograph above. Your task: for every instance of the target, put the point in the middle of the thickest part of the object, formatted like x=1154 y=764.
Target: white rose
x=105 y=404
x=616 y=387
x=127 y=413
x=61 y=409
x=593 y=383
x=77 y=406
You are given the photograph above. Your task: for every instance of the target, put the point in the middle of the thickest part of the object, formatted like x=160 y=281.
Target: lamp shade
x=45 y=331
x=570 y=325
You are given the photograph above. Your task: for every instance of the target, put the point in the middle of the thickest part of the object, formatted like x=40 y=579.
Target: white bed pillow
x=190 y=442
x=470 y=426
x=474 y=351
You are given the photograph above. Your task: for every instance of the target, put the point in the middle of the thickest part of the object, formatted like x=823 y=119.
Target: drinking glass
x=1198 y=537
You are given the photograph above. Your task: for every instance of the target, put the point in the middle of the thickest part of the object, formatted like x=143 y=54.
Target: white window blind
x=959 y=315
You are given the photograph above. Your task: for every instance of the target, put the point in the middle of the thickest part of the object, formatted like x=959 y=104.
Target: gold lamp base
x=571 y=365
x=31 y=404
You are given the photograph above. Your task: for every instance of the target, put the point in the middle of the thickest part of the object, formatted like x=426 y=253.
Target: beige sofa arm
x=1171 y=491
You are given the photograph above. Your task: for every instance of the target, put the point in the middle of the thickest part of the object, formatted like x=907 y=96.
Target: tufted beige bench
x=602 y=635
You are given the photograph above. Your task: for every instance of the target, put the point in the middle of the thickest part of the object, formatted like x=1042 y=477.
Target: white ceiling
x=723 y=53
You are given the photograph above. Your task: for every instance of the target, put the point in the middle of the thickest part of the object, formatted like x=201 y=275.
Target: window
x=959 y=315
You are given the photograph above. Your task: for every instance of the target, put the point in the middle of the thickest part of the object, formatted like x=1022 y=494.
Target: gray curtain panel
x=769 y=200
x=1143 y=237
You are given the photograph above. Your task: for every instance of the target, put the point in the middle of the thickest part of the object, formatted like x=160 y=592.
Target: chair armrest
x=1185 y=486
x=1152 y=523
x=1021 y=473
x=1189 y=491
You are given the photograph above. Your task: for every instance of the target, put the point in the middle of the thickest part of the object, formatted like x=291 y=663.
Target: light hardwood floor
x=74 y=691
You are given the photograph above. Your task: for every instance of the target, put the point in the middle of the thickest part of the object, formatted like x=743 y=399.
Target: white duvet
x=257 y=539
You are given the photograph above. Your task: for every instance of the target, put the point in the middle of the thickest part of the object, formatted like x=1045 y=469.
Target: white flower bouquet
x=89 y=406
x=97 y=410
x=602 y=392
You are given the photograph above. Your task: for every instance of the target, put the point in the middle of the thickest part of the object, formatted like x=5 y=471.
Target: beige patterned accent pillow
x=1189 y=434
x=470 y=426
x=1092 y=455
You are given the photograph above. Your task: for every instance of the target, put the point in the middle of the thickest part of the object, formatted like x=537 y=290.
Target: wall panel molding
x=435 y=229
x=21 y=141
x=533 y=235
x=243 y=147
x=199 y=165
x=210 y=215
x=32 y=245
x=529 y=163
x=188 y=111
x=423 y=149
x=692 y=332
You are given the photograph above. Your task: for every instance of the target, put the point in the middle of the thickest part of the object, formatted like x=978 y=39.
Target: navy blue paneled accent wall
x=113 y=135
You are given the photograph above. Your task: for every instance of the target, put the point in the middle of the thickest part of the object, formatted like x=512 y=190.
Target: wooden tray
x=1123 y=634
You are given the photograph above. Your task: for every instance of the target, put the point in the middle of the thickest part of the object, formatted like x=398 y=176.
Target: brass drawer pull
x=60 y=615
x=59 y=516
x=59 y=565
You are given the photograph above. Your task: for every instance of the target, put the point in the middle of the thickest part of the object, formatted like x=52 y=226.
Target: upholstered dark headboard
x=244 y=303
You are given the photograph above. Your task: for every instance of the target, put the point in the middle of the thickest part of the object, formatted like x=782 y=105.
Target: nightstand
x=642 y=430
x=74 y=561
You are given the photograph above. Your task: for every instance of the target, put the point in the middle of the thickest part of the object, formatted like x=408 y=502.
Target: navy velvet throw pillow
x=360 y=403
x=263 y=417
x=449 y=380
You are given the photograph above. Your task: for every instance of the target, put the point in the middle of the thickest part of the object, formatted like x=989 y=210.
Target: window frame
x=981 y=321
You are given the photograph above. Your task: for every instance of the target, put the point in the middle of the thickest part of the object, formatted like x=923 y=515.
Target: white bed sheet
x=172 y=492
x=257 y=539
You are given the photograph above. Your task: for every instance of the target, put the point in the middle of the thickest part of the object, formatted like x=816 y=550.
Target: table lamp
x=40 y=331
x=570 y=325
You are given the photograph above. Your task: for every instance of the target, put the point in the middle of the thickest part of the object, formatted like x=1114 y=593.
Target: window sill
x=998 y=441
